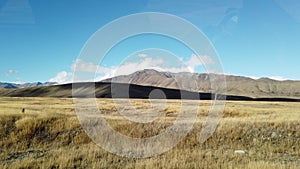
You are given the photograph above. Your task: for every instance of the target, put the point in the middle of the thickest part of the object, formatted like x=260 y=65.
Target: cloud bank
x=144 y=62
x=11 y=72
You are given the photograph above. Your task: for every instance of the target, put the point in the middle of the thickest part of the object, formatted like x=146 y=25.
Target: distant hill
x=140 y=85
x=102 y=90
x=116 y=90
x=236 y=85
x=25 y=85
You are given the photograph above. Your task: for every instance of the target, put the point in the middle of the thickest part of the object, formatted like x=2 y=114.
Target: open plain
x=48 y=134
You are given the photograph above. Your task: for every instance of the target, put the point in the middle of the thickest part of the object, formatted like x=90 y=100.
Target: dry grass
x=48 y=135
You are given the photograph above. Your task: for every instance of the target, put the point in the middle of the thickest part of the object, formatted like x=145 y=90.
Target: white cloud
x=82 y=66
x=131 y=67
x=102 y=77
x=253 y=77
x=150 y=63
x=173 y=69
x=142 y=55
x=196 y=61
x=144 y=62
x=11 y=72
x=279 y=78
x=62 y=77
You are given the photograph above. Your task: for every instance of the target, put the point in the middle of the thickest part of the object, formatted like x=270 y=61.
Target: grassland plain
x=49 y=135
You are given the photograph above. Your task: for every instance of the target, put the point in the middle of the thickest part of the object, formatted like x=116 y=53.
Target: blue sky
x=41 y=39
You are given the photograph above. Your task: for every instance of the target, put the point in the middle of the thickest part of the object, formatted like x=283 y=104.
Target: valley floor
x=46 y=133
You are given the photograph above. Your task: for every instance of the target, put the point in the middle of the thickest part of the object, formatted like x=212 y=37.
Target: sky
x=41 y=40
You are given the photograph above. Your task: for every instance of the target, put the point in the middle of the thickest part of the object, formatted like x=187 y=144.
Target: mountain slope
x=235 y=85
x=143 y=82
x=24 y=85
x=121 y=90
x=102 y=90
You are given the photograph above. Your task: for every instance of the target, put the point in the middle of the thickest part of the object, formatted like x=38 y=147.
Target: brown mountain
x=141 y=84
x=235 y=85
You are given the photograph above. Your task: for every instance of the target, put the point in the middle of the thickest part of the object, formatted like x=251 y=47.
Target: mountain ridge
x=116 y=90
x=8 y=85
x=235 y=85
x=193 y=82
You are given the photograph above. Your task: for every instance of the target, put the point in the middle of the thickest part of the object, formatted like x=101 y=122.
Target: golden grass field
x=49 y=135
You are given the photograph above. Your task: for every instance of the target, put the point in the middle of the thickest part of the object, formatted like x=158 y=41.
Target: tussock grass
x=49 y=135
